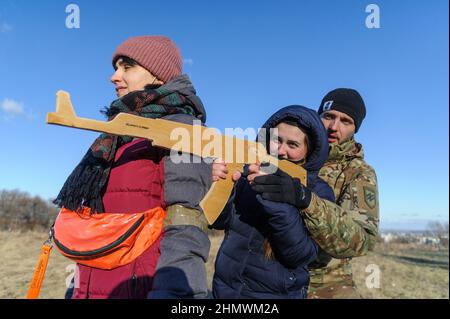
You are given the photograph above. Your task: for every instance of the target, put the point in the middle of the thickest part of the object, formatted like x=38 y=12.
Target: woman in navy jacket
x=267 y=249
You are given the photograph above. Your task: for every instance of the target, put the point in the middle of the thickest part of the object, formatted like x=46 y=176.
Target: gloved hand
x=280 y=187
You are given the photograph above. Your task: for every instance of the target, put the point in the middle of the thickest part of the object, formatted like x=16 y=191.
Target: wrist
x=303 y=196
x=312 y=207
x=307 y=200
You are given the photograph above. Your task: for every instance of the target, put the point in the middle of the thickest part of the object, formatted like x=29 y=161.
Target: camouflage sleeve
x=349 y=228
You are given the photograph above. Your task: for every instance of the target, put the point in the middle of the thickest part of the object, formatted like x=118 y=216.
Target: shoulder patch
x=370 y=197
x=367 y=196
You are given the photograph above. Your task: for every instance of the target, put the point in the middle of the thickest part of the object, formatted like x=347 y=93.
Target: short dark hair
x=126 y=60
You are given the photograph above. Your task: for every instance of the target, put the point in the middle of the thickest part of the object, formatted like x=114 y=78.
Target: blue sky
x=246 y=60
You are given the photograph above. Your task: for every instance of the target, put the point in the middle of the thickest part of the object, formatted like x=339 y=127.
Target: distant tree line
x=435 y=235
x=21 y=211
x=439 y=230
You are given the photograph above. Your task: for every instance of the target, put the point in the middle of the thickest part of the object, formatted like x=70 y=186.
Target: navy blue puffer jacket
x=242 y=270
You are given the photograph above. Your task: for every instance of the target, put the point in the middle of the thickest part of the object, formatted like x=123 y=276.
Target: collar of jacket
x=346 y=151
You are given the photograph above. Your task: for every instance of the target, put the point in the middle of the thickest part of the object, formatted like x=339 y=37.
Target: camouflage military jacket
x=348 y=228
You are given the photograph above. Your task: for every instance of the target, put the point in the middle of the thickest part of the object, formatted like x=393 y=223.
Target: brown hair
x=268 y=252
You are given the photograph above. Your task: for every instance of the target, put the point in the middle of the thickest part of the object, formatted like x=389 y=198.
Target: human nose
x=116 y=77
x=333 y=125
x=282 y=152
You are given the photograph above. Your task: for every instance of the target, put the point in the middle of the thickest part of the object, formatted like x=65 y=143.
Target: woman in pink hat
x=121 y=174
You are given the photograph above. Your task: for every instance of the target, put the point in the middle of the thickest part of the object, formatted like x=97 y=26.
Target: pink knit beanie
x=157 y=54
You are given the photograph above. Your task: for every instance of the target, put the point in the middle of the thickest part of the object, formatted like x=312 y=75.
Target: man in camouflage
x=348 y=228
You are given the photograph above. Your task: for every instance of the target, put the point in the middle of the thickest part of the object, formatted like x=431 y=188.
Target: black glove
x=280 y=187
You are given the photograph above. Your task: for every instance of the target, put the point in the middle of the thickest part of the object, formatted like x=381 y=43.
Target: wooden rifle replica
x=160 y=131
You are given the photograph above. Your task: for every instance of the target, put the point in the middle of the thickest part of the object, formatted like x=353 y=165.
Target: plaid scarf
x=85 y=185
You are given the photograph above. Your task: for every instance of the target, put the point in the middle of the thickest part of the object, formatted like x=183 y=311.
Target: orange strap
x=39 y=272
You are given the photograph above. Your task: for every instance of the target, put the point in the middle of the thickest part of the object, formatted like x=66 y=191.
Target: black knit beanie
x=347 y=101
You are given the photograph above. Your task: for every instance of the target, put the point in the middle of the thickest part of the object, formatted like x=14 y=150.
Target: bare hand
x=254 y=170
x=220 y=171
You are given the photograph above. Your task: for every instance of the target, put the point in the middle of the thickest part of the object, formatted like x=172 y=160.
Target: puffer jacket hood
x=310 y=122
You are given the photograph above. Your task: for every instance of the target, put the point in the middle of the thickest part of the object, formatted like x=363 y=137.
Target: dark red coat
x=136 y=184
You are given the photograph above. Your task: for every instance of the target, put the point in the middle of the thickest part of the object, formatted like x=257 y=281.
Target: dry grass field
x=405 y=271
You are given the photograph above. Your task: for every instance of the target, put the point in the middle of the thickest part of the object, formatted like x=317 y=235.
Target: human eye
x=275 y=141
x=346 y=122
x=275 y=138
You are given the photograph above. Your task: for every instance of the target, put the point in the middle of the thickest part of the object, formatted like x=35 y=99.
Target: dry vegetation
x=407 y=271
x=19 y=210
